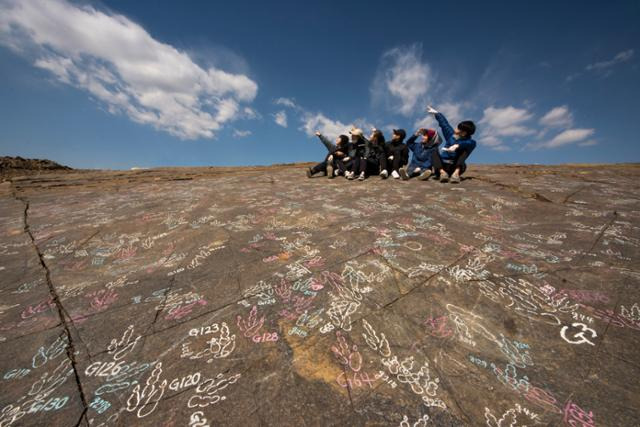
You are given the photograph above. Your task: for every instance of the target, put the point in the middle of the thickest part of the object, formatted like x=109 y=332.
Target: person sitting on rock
x=335 y=159
x=449 y=162
x=360 y=150
x=376 y=154
x=422 y=153
x=397 y=153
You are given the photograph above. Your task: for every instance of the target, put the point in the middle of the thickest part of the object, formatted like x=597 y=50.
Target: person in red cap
x=420 y=164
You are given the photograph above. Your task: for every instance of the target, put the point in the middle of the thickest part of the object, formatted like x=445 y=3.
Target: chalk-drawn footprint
x=149 y=396
x=379 y=344
x=118 y=349
x=209 y=391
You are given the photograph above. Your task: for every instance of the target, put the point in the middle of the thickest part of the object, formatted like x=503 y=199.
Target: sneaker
x=350 y=175
x=455 y=178
x=309 y=173
x=424 y=176
x=404 y=174
x=395 y=175
x=444 y=177
x=337 y=172
x=329 y=171
x=384 y=174
x=361 y=177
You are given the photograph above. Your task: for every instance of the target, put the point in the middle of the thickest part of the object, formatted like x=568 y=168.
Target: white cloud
x=250 y=114
x=507 y=121
x=604 y=68
x=567 y=137
x=493 y=142
x=498 y=123
x=403 y=78
x=557 y=117
x=280 y=118
x=588 y=143
x=121 y=65
x=312 y=122
x=572 y=77
x=623 y=56
x=241 y=133
x=286 y=102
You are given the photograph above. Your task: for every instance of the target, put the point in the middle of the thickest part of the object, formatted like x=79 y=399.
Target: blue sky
x=118 y=84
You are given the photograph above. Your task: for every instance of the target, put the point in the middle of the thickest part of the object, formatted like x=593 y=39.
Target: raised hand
x=318 y=133
x=431 y=110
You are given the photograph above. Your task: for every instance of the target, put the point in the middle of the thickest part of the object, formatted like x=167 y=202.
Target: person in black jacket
x=376 y=156
x=397 y=153
x=336 y=157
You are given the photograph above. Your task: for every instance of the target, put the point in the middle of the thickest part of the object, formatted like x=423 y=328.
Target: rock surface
x=256 y=296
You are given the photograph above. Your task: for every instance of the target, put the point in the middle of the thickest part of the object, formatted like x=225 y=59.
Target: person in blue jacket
x=335 y=159
x=449 y=162
x=420 y=164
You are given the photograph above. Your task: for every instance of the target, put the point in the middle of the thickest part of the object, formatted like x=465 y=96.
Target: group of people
x=359 y=157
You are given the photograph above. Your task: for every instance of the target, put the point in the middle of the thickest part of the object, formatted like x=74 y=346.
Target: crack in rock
x=70 y=350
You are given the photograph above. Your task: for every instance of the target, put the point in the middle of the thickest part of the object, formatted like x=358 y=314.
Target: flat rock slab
x=256 y=296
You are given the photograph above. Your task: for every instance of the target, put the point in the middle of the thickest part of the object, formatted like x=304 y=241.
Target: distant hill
x=17 y=165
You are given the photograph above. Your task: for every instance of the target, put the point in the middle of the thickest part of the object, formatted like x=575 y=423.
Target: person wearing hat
x=422 y=153
x=397 y=154
x=358 y=154
x=335 y=159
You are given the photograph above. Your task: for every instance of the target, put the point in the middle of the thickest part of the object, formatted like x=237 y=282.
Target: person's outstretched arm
x=327 y=143
x=447 y=130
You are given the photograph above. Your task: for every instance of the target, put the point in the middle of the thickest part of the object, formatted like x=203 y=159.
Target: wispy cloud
x=557 y=117
x=569 y=136
x=119 y=63
x=280 y=118
x=251 y=114
x=312 y=122
x=604 y=68
x=588 y=143
x=237 y=133
x=621 y=57
x=402 y=79
x=286 y=102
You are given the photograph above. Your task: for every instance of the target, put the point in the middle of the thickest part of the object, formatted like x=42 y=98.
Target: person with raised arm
x=422 y=152
x=337 y=159
x=449 y=161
